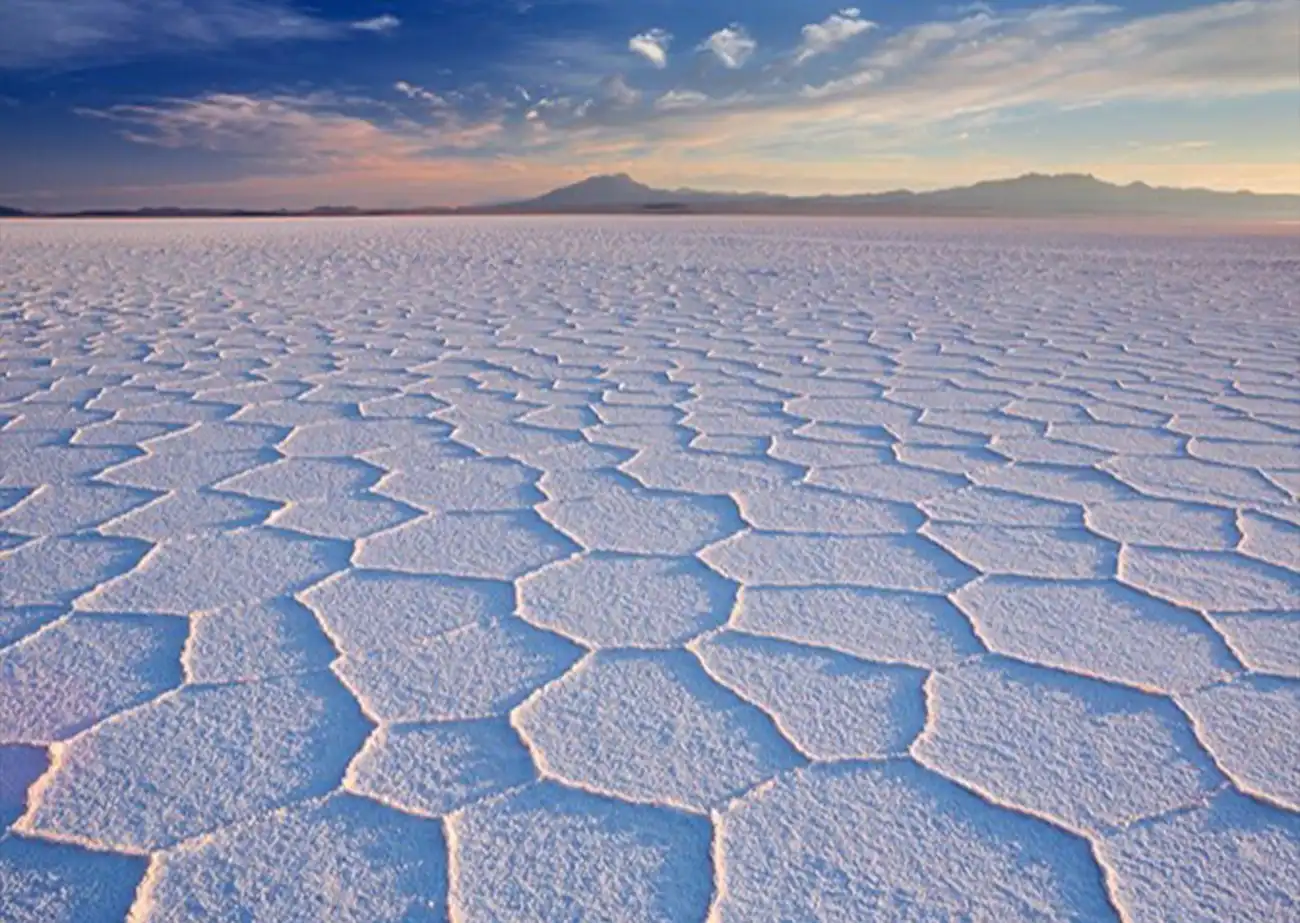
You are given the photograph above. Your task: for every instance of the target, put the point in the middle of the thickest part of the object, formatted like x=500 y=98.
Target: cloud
x=383 y=24
x=1070 y=57
x=988 y=75
x=297 y=131
x=305 y=150
x=990 y=67
x=732 y=46
x=831 y=32
x=283 y=134
x=652 y=45
x=616 y=90
x=1170 y=147
x=70 y=33
x=680 y=99
x=411 y=91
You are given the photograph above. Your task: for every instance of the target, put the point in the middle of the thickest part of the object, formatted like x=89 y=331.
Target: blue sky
x=397 y=102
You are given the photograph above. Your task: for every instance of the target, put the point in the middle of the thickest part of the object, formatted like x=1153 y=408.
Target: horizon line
x=735 y=198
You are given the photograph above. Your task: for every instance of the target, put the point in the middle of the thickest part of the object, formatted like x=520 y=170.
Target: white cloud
x=841 y=86
x=1072 y=57
x=293 y=130
x=976 y=75
x=385 y=23
x=1171 y=147
x=968 y=74
x=652 y=45
x=680 y=99
x=412 y=91
x=63 y=33
x=616 y=90
x=831 y=32
x=298 y=134
x=732 y=46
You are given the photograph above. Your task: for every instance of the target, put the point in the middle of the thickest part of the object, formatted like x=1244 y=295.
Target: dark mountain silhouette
x=181 y=211
x=598 y=191
x=6 y=212
x=1081 y=194
x=1031 y=196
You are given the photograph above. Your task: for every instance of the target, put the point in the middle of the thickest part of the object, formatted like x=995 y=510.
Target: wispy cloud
x=615 y=89
x=293 y=132
x=64 y=33
x=1068 y=57
x=680 y=99
x=939 y=79
x=733 y=46
x=302 y=150
x=411 y=91
x=652 y=45
x=830 y=33
x=888 y=95
x=313 y=133
x=1169 y=147
x=385 y=23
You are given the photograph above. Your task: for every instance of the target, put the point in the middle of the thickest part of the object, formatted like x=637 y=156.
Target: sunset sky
x=296 y=103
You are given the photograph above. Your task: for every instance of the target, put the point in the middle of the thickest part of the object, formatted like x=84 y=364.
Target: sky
x=380 y=103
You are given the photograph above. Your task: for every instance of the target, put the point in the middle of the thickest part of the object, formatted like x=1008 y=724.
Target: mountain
x=1031 y=195
x=6 y=212
x=180 y=211
x=1079 y=194
x=615 y=191
x=619 y=192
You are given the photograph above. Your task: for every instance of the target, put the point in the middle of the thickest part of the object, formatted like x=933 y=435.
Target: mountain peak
x=610 y=189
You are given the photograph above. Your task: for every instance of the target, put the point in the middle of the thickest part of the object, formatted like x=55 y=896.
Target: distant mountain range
x=321 y=211
x=1030 y=196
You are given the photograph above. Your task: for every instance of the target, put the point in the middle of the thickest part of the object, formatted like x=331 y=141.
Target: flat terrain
x=616 y=569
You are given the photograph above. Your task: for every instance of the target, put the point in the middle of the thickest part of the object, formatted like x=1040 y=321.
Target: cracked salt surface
x=608 y=570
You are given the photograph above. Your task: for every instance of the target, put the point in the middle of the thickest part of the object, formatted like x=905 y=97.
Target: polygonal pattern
x=295 y=858
x=1086 y=754
x=1232 y=859
x=653 y=728
x=666 y=523
x=620 y=601
x=435 y=769
x=551 y=853
x=726 y=570
x=94 y=795
x=934 y=852
x=82 y=669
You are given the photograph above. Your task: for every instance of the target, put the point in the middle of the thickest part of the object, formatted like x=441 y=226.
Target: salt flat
x=587 y=569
